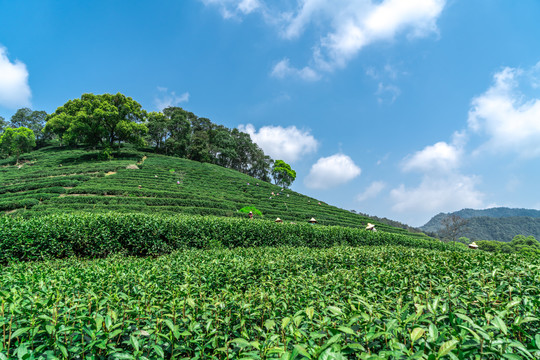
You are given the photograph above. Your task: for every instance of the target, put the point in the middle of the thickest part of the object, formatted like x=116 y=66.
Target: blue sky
x=394 y=108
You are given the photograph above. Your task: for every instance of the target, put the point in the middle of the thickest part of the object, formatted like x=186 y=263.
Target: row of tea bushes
x=370 y=303
x=98 y=235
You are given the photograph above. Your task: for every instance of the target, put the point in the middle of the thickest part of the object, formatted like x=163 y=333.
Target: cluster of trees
x=22 y=132
x=106 y=121
x=178 y=132
x=520 y=244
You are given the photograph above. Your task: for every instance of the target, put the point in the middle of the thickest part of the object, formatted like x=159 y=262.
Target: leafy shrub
x=253 y=209
x=98 y=235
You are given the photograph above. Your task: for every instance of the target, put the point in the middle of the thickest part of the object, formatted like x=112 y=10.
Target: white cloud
x=166 y=99
x=331 y=171
x=233 y=8
x=345 y=26
x=441 y=157
x=443 y=188
x=438 y=194
x=287 y=144
x=248 y=6
x=282 y=69
x=372 y=191
x=14 y=89
x=510 y=120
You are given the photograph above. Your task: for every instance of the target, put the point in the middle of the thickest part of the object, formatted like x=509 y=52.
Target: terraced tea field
x=386 y=302
x=55 y=180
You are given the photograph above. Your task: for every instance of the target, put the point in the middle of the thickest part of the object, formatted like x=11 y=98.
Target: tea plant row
x=387 y=302
x=97 y=235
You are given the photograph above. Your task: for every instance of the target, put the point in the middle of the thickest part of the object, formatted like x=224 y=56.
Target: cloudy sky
x=394 y=108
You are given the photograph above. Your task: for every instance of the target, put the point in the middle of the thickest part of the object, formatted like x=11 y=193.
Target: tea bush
x=387 y=302
x=98 y=235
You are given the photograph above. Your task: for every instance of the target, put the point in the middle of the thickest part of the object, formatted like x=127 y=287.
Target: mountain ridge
x=498 y=223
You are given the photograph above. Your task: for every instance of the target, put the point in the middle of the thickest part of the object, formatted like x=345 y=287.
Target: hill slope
x=500 y=223
x=53 y=180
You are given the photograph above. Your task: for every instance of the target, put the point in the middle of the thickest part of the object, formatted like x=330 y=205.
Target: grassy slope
x=55 y=180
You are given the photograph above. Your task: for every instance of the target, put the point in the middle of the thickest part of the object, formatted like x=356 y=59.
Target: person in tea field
x=251 y=214
x=371 y=227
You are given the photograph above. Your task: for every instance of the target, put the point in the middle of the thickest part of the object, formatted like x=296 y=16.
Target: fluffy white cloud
x=439 y=157
x=372 y=191
x=346 y=26
x=167 y=98
x=443 y=187
x=331 y=171
x=14 y=89
x=503 y=113
x=438 y=194
x=287 y=144
x=282 y=69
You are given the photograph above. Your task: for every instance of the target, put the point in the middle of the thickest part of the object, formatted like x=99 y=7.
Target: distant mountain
x=500 y=223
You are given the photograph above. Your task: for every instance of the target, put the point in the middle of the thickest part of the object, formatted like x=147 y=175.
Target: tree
x=157 y=130
x=199 y=148
x=222 y=146
x=453 y=226
x=3 y=124
x=33 y=120
x=521 y=240
x=178 y=125
x=17 y=141
x=93 y=120
x=283 y=174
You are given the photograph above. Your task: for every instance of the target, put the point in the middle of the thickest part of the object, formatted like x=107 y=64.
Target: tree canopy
x=17 y=141
x=3 y=124
x=31 y=119
x=283 y=174
x=108 y=120
x=178 y=132
x=93 y=120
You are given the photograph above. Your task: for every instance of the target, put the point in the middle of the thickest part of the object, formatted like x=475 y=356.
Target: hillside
x=500 y=223
x=61 y=180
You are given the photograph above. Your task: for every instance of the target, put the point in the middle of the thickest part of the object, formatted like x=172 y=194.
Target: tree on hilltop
x=17 y=141
x=3 y=124
x=93 y=120
x=169 y=132
x=31 y=119
x=283 y=174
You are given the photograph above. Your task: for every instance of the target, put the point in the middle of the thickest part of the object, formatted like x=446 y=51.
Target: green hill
x=61 y=180
x=500 y=224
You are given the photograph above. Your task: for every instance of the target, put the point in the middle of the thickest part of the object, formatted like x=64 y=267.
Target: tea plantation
x=56 y=180
x=111 y=259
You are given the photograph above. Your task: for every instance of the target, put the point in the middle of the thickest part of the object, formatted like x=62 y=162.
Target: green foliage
x=104 y=120
x=96 y=185
x=97 y=235
x=34 y=120
x=3 y=124
x=520 y=244
x=387 y=302
x=253 y=209
x=15 y=141
x=181 y=133
x=283 y=174
x=500 y=224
